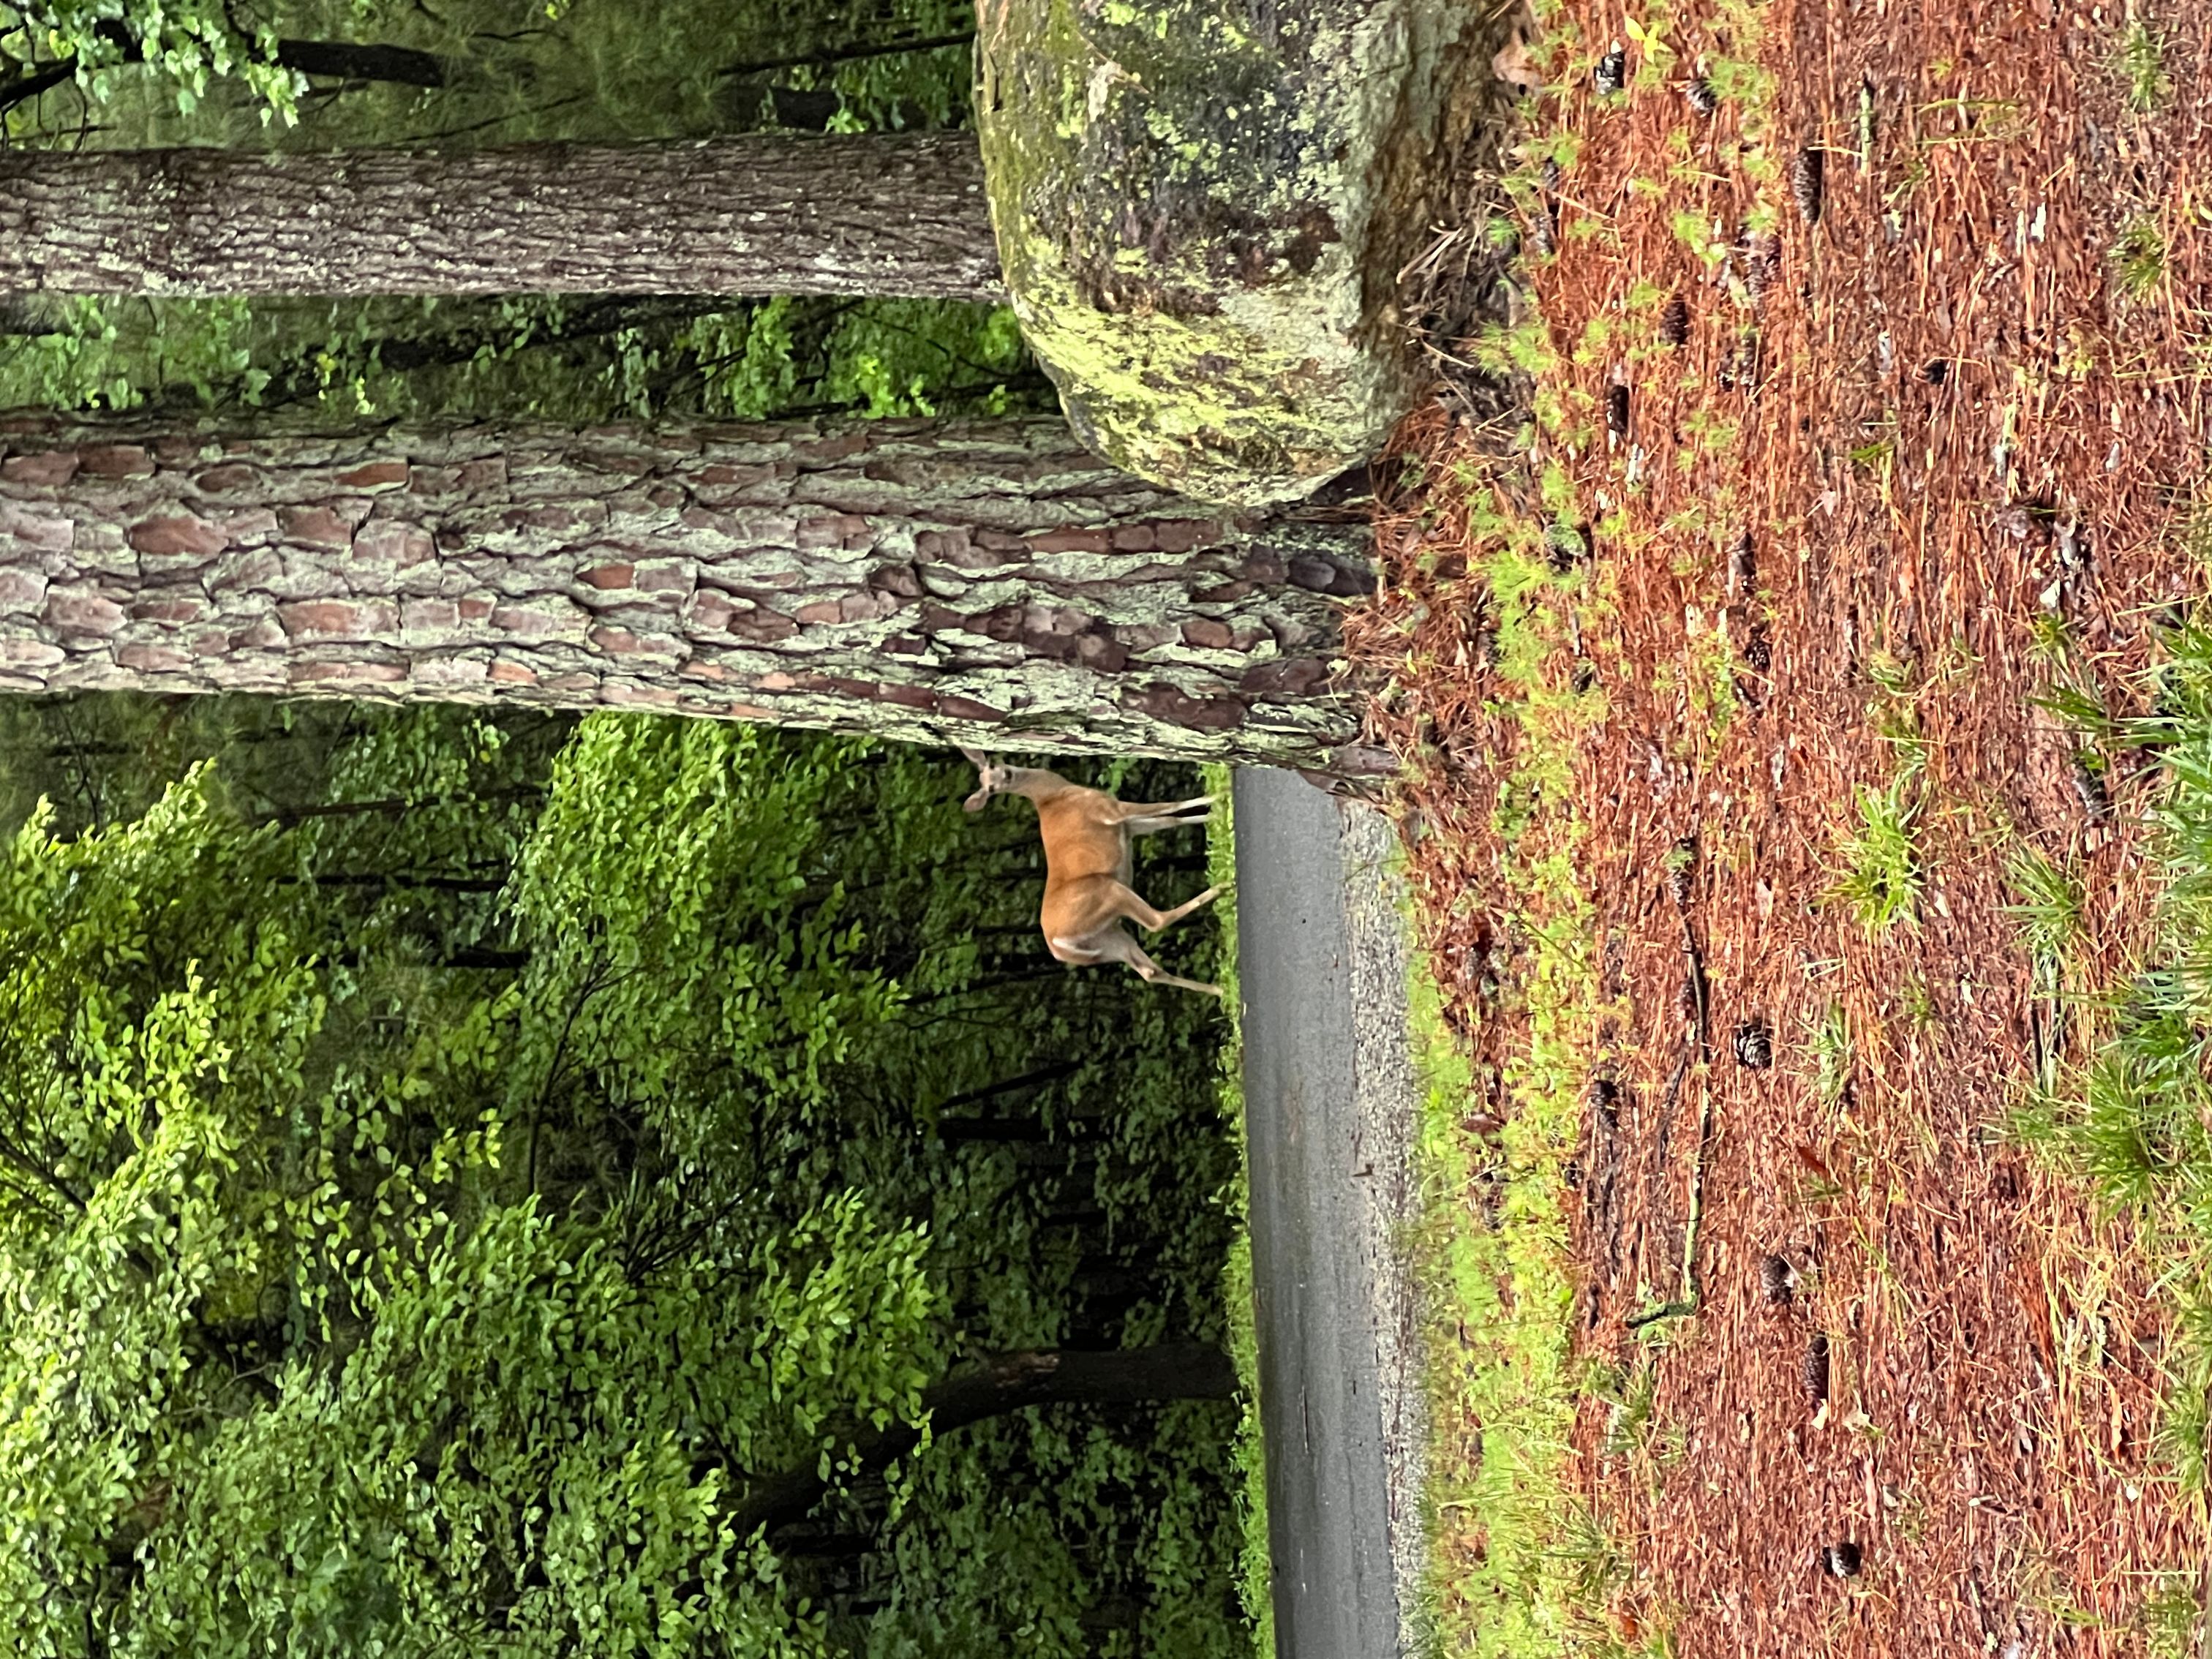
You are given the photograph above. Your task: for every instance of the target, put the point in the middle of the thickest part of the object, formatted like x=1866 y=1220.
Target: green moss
x=1498 y=1302
x=1238 y=359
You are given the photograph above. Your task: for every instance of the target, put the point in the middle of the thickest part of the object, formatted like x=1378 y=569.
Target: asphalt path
x=1327 y=1114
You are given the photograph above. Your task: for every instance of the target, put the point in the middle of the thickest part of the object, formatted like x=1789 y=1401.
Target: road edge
x=1330 y=1108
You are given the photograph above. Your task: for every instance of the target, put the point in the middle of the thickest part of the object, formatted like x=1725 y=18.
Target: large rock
x=1203 y=207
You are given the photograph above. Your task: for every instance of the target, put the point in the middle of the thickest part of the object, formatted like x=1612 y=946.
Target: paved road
x=1327 y=1169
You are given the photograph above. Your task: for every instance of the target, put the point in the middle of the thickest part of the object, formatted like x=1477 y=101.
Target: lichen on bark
x=1201 y=206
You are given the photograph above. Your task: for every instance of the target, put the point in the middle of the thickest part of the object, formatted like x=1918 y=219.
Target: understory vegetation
x=2131 y=1120
x=1239 y=1309
x=1502 y=1379
x=1513 y=1560
x=459 y=1176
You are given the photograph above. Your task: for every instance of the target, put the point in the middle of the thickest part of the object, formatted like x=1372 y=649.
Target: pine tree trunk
x=987 y=583
x=894 y=214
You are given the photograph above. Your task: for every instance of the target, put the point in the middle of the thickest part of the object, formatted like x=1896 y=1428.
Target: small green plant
x=2139 y=60
x=1882 y=874
x=1595 y=1565
x=1895 y=712
x=1911 y=1518
x=1891 y=675
x=1633 y=1396
x=1711 y=686
x=2169 y=1616
x=2079 y=708
x=1669 y=1447
x=2139 y=1132
x=1656 y=60
x=1828 y=1045
x=2139 y=256
x=2050 y=638
x=2185 y=1431
x=2049 y=914
x=1917 y=1002
x=1700 y=235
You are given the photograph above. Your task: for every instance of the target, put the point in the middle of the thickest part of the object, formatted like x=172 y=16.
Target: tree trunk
x=878 y=215
x=987 y=583
x=1183 y=1370
x=344 y=60
x=830 y=57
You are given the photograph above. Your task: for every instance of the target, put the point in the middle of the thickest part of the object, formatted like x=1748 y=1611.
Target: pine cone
x=1743 y=564
x=2089 y=787
x=1807 y=179
x=1816 y=1371
x=1777 y=1279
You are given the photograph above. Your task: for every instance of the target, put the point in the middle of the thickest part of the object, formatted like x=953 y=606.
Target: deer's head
x=992 y=780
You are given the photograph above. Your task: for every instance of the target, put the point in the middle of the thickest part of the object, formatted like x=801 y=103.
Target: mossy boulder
x=1203 y=207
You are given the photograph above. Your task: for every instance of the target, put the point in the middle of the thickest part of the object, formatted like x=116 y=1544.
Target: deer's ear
x=978 y=801
x=975 y=758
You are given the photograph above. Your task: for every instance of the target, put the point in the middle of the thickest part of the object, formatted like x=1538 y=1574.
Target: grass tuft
x=2049 y=914
x=2139 y=256
x=1828 y=1044
x=1628 y=1426
x=2139 y=60
x=1882 y=872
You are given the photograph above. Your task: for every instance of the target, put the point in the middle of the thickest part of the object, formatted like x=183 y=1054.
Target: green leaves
x=445 y=1170
x=679 y=943
x=188 y=42
x=386 y=1391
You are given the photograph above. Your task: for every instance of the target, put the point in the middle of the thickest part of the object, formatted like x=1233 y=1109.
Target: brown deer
x=1087 y=894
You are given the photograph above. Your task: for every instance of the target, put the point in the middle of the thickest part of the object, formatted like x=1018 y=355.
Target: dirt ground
x=1947 y=414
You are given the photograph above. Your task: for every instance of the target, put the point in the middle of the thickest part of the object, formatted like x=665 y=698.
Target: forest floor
x=1868 y=428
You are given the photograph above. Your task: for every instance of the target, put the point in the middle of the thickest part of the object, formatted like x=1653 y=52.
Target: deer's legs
x=1161 y=809
x=1151 y=818
x=1153 y=921
x=1115 y=946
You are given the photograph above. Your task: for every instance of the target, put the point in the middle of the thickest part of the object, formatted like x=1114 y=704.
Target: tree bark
x=987 y=583
x=1006 y=1384
x=870 y=216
